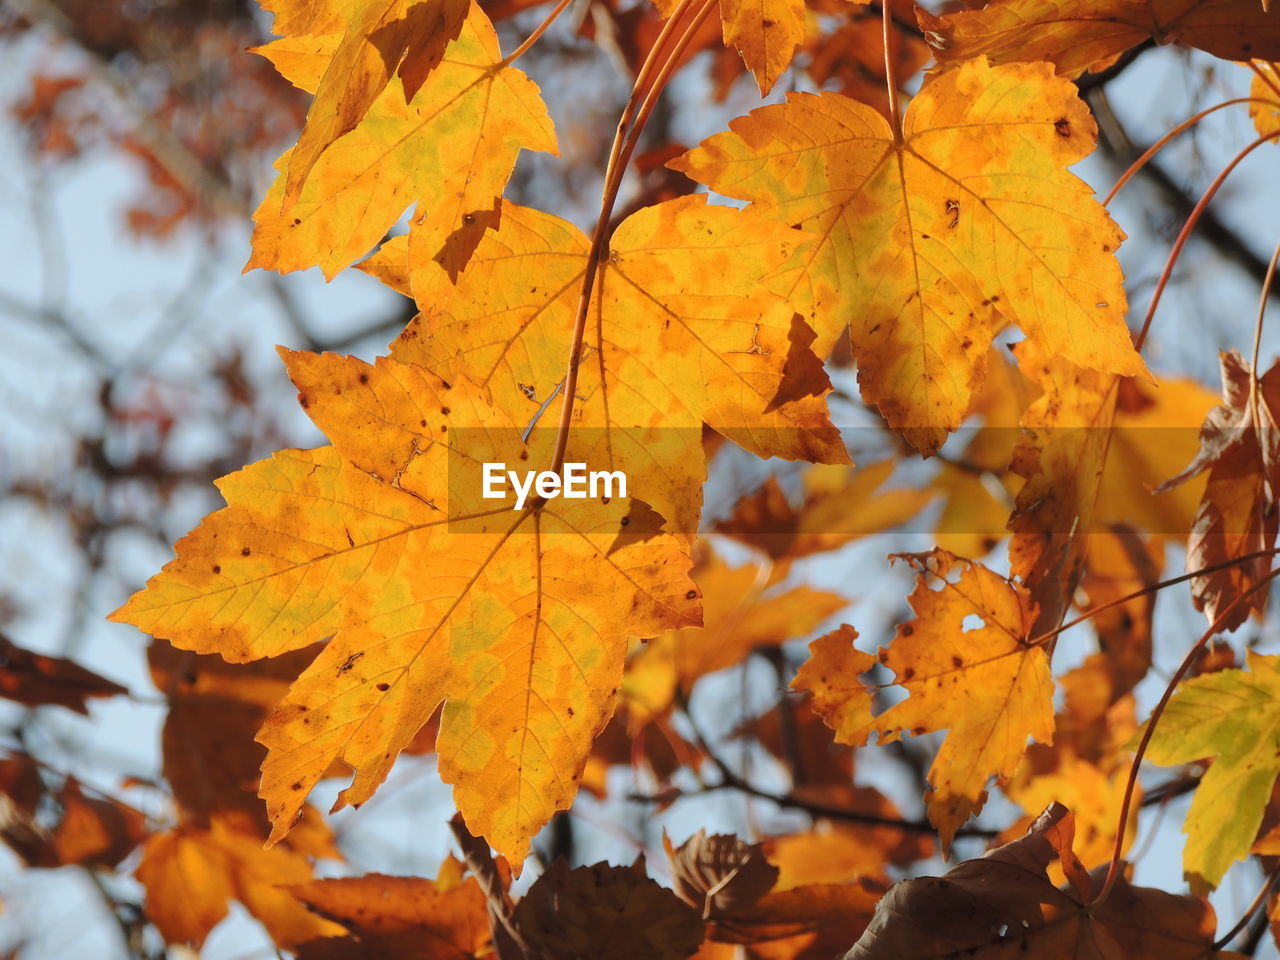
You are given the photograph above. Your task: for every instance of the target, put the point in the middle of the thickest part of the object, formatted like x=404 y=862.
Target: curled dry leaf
x=605 y=911
x=1240 y=447
x=1002 y=906
x=1080 y=35
x=399 y=918
x=719 y=874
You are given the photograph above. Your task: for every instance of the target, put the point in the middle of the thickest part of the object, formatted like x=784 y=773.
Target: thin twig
x=1113 y=872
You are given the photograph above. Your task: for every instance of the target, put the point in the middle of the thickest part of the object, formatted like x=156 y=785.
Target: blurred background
x=137 y=364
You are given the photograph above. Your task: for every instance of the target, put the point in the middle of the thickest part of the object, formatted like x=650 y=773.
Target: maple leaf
x=517 y=620
x=680 y=333
x=928 y=246
x=1003 y=905
x=406 y=918
x=1080 y=35
x=965 y=662
x=36 y=679
x=739 y=615
x=191 y=873
x=1232 y=716
x=1240 y=447
x=450 y=150
x=384 y=38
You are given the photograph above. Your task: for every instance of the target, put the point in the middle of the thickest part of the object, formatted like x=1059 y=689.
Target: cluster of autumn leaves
x=391 y=608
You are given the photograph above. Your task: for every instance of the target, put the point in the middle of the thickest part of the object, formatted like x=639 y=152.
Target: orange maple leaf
x=517 y=620
x=965 y=662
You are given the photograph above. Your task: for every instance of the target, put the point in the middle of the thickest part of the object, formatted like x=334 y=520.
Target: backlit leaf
x=927 y=247
x=517 y=620
x=680 y=333
x=965 y=662
x=450 y=150
x=1233 y=717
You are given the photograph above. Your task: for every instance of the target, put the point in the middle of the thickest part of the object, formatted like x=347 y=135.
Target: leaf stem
x=651 y=78
x=1262 y=75
x=1257 y=326
x=730 y=780
x=1164 y=141
x=1153 y=588
x=890 y=81
x=1258 y=901
x=1113 y=871
x=533 y=38
x=1185 y=233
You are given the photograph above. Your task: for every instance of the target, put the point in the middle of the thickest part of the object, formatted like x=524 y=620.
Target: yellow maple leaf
x=384 y=38
x=965 y=662
x=517 y=620
x=680 y=333
x=1079 y=35
x=450 y=150
x=925 y=247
